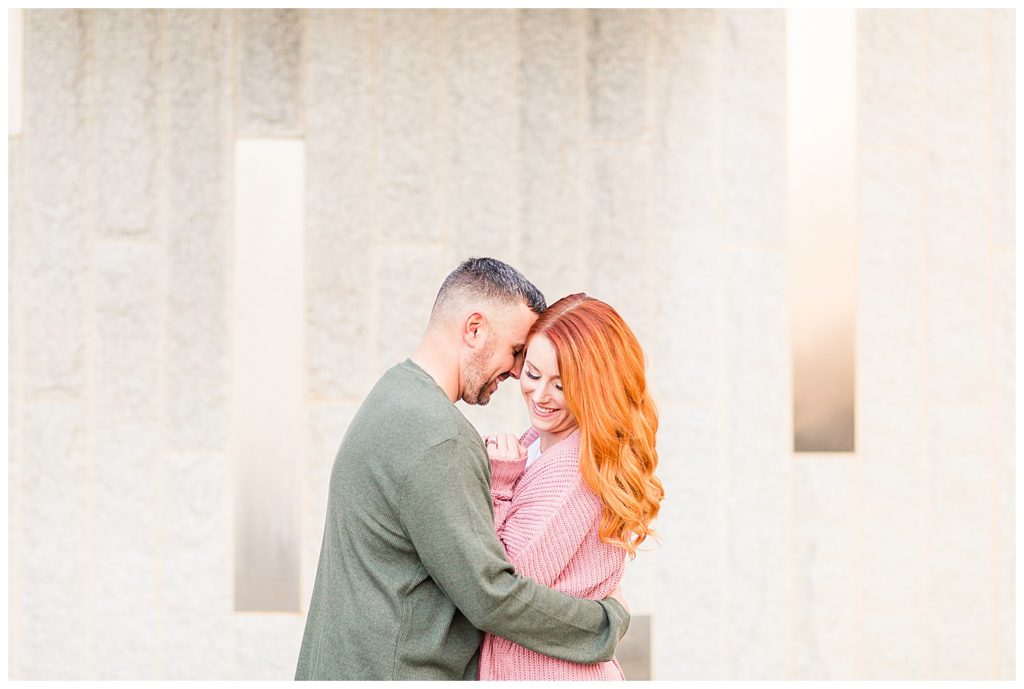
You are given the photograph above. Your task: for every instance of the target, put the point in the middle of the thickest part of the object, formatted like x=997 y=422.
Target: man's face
x=500 y=354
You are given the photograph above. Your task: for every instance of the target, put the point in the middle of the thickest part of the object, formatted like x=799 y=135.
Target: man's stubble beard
x=476 y=390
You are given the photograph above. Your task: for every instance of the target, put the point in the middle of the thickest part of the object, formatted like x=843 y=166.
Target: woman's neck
x=548 y=439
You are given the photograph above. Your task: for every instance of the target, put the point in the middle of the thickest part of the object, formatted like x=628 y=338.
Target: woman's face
x=542 y=388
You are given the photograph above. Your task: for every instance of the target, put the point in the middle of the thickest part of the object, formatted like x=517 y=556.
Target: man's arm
x=446 y=510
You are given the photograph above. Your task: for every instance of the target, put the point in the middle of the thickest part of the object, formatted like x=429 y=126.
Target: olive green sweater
x=411 y=569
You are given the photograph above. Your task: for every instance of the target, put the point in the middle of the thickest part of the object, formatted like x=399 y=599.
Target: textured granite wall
x=637 y=155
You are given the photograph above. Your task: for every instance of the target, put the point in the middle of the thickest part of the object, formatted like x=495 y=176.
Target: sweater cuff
x=504 y=474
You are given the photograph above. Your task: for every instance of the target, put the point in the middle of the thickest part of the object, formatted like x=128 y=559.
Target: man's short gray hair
x=488 y=278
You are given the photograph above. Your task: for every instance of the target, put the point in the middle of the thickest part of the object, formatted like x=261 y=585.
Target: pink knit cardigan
x=547 y=518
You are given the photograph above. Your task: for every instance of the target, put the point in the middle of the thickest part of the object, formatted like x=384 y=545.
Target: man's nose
x=517 y=368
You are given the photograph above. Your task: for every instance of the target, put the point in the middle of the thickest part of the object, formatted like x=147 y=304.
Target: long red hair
x=601 y=365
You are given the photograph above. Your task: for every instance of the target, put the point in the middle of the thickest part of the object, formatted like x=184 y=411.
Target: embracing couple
x=447 y=555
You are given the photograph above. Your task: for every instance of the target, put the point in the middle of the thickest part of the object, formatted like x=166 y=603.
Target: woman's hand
x=504 y=448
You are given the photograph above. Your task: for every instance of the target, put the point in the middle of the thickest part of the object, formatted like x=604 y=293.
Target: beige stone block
x=50 y=633
x=55 y=197
x=1005 y=467
x=1003 y=36
x=753 y=127
x=127 y=121
x=619 y=246
x=961 y=555
x=341 y=201
x=409 y=278
x=758 y=442
x=689 y=587
x=550 y=247
x=617 y=56
x=959 y=75
x=196 y=594
x=199 y=159
x=327 y=426
x=126 y=464
x=270 y=79
x=895 y=646
x=413 y=126
x=959 y=284
x=826 y=558
x=267 y=645
x=482 y=98
x=685 y=208
x=892 y=98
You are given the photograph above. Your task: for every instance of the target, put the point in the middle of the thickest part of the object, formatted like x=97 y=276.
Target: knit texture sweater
x=411 y=571
x=547 y=520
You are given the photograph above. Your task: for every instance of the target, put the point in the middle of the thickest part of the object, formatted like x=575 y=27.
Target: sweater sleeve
x=504 y=476
x=446 y=510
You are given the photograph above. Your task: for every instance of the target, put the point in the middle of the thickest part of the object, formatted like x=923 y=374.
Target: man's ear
x=474 y=329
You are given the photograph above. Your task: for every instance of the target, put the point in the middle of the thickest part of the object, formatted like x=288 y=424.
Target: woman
x=577 y=492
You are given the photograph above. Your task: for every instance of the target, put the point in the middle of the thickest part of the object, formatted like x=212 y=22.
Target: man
x=411 y=569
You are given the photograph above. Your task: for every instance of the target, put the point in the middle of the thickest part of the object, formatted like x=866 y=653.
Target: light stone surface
x=550 y=246
x=483 y=190
x=827 y=552
x=56 y=155
x=688 y=622
x=959 y=74
x=14 y=339
x=1004 y=140
x=127 y=120
x=754 y=127
x=758 y=432
x=125 y=565
x=198 y=98
x=617 y=46
x=404 y=304
x=267 y=645
x=53 y=597
x=327 y=426
x=341 y=201
x=686 y=209
x=196 y=592
x=413 y=126
x=959 y=284
x=619 y=246
x=1005 y=466
x=891 y=78
x=895 y=645
x=269 y=48
x=960 y=448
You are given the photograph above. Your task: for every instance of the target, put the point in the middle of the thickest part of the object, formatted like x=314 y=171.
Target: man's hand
x=504 y=448
x=617 y=595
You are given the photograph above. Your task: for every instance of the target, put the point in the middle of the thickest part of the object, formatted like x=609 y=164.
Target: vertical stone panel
x=482 y=96
x=198 y=155
x=961 y=553
x=267 y=646
x=127 y=434
x=619 y=246
x=270 y=72
x=758 y=449
x=826 y=514
x=56 y=155
x=341 y=200
x=404 y=306
x=689 y=584
x=895 y=646
x=754 y=126
x=196 y=540
x=13 y=392
x=891 y=78
x=959 y=75
x=550 y=148
x=1005 y=466
x=327 y=426
x=1003 y=126
x=412 y=125
x=617 y=73
x=52 y=636
x=127 y=121
x=686 y=205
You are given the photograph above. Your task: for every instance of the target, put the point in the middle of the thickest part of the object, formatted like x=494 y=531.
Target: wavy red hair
x=601 y=365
